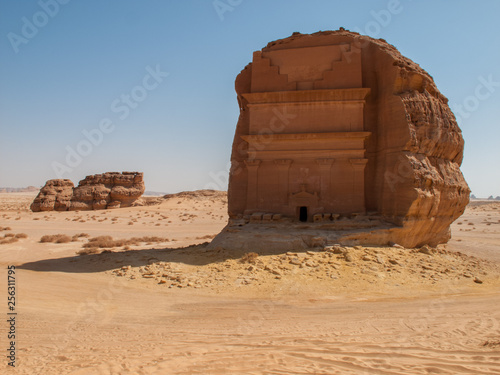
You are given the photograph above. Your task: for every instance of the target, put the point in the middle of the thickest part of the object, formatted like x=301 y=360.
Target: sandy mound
x=335 y=269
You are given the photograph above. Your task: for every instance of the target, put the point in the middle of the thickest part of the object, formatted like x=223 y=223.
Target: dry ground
x=161 y=307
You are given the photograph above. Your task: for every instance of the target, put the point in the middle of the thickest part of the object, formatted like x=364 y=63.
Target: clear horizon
x=93 y=87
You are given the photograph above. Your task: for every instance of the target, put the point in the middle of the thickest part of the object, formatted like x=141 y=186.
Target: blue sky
x=67 y=65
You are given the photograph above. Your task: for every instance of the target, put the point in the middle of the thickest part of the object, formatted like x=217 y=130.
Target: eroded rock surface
x=100 y=191
x=54 y=196
x=336 y=126
x=108 y=190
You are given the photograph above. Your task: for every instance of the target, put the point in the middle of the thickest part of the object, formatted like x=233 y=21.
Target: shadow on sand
x=196 y=255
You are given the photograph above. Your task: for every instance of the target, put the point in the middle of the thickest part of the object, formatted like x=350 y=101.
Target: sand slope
x=78 y=316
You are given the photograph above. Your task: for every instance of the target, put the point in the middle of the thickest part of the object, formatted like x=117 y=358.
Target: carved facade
x=306 y=136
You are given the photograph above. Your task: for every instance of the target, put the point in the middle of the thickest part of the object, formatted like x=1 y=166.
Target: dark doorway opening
x=303 y=214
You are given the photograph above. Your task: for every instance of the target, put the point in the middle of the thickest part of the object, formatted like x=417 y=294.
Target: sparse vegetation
x=80 y=235
x=11 y=238
x=100 y=242
x=104 y=242
x=88 y=251
x=207 y=237
x=55 y=238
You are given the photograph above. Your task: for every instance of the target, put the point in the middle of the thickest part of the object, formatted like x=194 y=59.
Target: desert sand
x=166 y=305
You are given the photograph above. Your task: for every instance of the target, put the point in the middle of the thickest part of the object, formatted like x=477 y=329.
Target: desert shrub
x=249 y=258
x=11 y=238
x=5 y=228
x=149 y=239
x=206 y=237
x=100 y=242
x=88 y=251
x=79 y=235
x=62 y=239
x=108 y=242
x=55 y=238
x=7 y=240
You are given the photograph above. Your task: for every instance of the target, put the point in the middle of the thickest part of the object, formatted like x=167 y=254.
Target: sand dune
x=78 y=315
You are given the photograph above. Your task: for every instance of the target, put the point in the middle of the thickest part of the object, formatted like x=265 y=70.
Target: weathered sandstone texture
x=343 y=133
x=54 y=196
x=100 y=191
x=108 y=190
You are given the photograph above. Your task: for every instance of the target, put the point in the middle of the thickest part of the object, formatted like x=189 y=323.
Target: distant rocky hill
x=197 y=194
x=154 y=193
x=28 y=189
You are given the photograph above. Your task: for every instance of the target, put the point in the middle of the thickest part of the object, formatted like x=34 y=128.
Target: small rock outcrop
x=54 y=196
x=96 y=192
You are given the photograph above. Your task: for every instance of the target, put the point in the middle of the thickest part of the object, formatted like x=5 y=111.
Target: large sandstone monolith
x=100 y=191
x=342 y=133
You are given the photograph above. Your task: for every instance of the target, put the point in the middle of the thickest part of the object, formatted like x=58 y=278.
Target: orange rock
x=335 y=123
x=54 y=196
x=100 y=191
